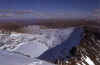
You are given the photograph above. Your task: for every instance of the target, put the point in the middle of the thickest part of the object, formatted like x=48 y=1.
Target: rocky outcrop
x=87 y=53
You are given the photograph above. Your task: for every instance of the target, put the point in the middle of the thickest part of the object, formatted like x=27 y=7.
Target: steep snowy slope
x=34 y=44
x=45 y=44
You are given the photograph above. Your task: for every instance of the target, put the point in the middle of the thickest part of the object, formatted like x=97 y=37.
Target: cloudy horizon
x=67 y=9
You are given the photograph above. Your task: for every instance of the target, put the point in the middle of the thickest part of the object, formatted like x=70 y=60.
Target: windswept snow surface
x=35 y=44
x=9 y=58
x=49 y=37
x=39 y=62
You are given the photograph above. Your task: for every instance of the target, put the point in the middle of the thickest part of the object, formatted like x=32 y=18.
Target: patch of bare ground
x=11 y=27
x=50 y=23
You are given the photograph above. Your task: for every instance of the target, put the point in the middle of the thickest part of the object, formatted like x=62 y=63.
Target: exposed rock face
x=90 y=46
x=87 y=53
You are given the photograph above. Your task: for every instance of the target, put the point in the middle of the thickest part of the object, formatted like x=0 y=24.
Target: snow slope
x=9 y=58
x=29 y=44
x=35 y=44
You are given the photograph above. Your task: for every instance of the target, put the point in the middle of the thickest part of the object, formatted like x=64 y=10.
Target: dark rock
x=88 y=50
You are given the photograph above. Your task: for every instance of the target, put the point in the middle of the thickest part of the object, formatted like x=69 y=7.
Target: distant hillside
x=15 y=25
x=11 y=27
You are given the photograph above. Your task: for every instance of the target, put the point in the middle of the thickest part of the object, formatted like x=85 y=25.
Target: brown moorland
x=93 y=25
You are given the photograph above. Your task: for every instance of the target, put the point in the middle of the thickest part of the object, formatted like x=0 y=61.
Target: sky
x=52 y=8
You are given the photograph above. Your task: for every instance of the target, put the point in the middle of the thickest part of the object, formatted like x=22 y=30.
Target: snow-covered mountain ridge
x=50 y=38
x=38 y=42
